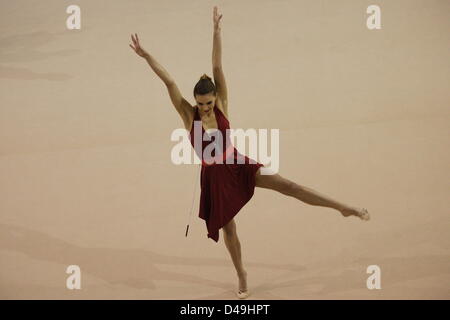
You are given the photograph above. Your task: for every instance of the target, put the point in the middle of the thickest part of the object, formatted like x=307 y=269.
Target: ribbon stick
x=193 y=198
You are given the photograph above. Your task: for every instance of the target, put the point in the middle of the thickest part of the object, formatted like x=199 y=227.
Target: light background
x=85 y=169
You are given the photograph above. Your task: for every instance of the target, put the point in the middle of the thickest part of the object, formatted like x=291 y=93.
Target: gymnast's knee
x=290 y=188
x=230 y=229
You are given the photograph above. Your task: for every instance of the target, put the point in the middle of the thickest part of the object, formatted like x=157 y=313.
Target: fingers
x=135 y=40
x=216 y=16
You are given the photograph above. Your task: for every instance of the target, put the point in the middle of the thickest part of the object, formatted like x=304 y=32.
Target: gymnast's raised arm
x=219 y=77
x=182 y=106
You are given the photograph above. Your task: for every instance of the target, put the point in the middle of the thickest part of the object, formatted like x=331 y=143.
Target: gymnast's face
x=206 y=102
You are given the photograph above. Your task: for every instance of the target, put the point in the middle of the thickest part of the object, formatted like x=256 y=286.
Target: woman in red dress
x=226 y=187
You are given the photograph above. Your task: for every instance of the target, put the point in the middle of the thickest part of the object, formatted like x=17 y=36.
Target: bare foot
x=352 y=211
x=243 y=290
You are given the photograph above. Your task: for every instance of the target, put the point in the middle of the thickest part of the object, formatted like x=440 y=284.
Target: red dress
x=225 y=187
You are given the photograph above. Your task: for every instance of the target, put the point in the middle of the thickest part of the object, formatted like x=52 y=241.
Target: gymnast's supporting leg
x=307 y=195
x=234 y=247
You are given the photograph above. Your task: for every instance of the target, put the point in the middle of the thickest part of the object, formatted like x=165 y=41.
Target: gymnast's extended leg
x=310 y=196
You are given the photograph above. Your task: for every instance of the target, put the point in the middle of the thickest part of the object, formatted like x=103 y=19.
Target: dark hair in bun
x=204 y=86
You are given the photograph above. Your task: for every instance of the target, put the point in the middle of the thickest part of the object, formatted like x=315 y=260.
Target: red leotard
x=225 y=187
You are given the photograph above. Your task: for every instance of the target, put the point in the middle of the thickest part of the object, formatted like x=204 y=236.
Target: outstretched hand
x=137 y=47
x=216 y=19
